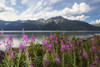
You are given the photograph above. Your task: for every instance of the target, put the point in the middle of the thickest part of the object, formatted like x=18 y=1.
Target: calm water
x=17 y=35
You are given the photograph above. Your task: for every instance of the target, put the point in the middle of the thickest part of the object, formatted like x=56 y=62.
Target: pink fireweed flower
x=70 y=41
x=45 y=42
x=21 y=47
x=25 y=39
x=89 y=43
x=92 y=65
x=64 y=38
x=62 y=47
x=62 y=42
x=50 y=47
x=10 y=38
x=71 y=45
x=31 y=66
x=67 y=41
x=80 y=51
x=8 y=45
x=91 y=50
x=94 y=48
x=0 y=44
x=93 y=43
x=98 y=51
x=11 y=55
x=4 y=42
x=69 y=49
x=67 y=46
x=77 y=43
x=0 y=53
x=51 y=36
x=80 y=40
x=45 y=63
x=96 y=58
x=56 y=42
x=42 y=47
x=32 y=38
x=85 y=55
x=55 y=35
x=57 y=59
x=63 y=34
x=6 y=51
x=95 y=62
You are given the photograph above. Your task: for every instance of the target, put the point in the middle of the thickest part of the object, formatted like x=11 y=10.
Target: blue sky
x=84 y=10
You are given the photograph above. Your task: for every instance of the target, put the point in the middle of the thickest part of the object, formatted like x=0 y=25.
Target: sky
x=84 y=10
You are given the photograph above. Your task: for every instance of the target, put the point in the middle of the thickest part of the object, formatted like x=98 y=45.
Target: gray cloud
x=2 y=9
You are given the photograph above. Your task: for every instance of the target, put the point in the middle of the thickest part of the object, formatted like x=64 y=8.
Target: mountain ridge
x=54 y=23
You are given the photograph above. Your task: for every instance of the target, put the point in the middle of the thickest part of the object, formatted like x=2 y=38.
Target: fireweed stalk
x=25 y=41
x=19 y=56
x=27 y=58
x=33 y=39
x=10 y=40
x=30 y=64
x=63 y=54
x=74 y=59
x=20 y=49
x=45 y=62
x=9 y=55
x=85 y=55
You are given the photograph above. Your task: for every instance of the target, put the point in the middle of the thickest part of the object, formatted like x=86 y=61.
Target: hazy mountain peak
x=41 y=20
x=57 y=19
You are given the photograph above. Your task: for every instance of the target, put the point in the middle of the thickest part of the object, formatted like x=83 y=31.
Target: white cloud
x=81 y=17
x=29 y=12
x=95 y=22
x=8 y=16
x=54 y=1
x=7 y=13
x=24 y=1
x=81 y=8
x=2 y=1
x=13 y=2
x=42 y=9
x=76 y=9
x=3 y=7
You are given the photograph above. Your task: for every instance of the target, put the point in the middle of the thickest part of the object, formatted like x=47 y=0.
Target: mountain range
x=54 y=23
x=97 y=25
